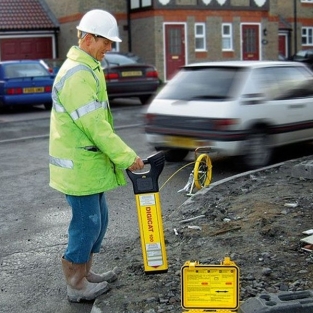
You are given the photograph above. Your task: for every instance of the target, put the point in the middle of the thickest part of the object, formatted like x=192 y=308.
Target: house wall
x=72 y=7
x=70 y=12
x=286 y=9
x=147 y=28
x=303 y=14
x=145 y=41
x=147 y=25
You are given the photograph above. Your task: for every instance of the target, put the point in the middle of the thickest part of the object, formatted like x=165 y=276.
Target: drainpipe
x=295 y=26
x=129 y=27
x=56 y=40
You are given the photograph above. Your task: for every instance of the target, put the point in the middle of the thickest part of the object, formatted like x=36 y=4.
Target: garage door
x=26 y=48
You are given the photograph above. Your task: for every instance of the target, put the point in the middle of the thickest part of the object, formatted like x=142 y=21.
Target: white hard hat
x=101 y=23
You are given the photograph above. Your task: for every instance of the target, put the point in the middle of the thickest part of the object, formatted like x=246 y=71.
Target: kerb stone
x=303 y=170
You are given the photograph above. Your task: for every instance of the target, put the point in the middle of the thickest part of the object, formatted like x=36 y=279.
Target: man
x=87 y=157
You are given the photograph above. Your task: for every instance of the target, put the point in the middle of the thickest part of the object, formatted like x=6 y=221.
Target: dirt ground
x=257 y=220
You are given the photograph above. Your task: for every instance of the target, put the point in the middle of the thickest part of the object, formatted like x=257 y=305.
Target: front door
x=250 y=42
x=174 y=49
x=282 y=45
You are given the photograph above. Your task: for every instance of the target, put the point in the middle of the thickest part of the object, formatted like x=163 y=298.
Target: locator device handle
x=145 y=182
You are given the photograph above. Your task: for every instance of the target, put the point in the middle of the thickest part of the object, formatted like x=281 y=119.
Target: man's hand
x=137 y=165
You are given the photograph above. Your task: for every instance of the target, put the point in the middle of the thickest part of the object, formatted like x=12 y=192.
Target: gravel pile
x=257 y=220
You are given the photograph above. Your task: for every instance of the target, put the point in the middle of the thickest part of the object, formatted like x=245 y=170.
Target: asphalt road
x=34 y=217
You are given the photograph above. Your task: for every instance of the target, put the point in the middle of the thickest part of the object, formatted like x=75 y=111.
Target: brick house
x=28 y=30
x=171 y=33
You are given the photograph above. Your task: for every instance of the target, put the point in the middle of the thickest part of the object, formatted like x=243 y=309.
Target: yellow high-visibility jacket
x=86 y=155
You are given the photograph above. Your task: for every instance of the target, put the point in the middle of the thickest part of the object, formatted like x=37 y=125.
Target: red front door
x=250 y=43
x=282 y=44
x=174 y=48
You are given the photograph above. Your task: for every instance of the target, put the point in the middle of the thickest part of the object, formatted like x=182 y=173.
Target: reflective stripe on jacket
x=86 y=156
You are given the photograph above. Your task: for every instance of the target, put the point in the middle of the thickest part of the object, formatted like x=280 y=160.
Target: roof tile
x=25 y=15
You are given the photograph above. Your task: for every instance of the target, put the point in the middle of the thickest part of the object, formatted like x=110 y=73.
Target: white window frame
x=228 y=37
x=115 y=46
x=308 y=36
x=200 y=36
x=138 y=4
x=307 y=1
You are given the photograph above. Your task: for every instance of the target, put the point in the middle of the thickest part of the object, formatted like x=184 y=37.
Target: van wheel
x=257 y=150
x=175 y=155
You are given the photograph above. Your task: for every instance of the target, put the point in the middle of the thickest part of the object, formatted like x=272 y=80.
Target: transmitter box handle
x=146 y=182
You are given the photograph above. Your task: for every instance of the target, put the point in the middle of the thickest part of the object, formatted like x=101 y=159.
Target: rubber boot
x=78 y=288
x=109 y=276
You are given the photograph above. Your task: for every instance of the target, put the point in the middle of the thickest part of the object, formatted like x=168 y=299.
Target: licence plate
x=33 y=90
x=184 y=142
x=131 y=73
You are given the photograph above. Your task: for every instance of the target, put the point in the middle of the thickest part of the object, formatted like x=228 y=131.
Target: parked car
x=46 y=66
x=127 y=76
x=305 y=56
x=282 y=57
x=238 y=108
x=131 y=55
x=53 y=65
x=26 y=82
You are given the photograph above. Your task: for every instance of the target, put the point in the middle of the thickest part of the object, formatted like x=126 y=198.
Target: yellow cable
x=176 y=173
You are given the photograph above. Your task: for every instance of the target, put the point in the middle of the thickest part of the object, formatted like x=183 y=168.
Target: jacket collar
x=79 y=55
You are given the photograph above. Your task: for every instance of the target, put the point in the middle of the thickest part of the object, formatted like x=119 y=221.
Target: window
x=115 y=46
x=307 y=1
x=146 y=3
x=227 y=37
x=282 y=83
x=307 y=36
x=202 y=84
x=25 y=70
x=134 y=4
x=137 y=4
x=200 y=37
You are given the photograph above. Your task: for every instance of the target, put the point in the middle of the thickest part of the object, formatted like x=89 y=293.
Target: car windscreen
x=201 y=83
x=116 y=60
x=21 y=70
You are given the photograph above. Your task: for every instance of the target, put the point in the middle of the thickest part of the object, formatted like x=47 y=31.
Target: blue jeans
x=87 y=227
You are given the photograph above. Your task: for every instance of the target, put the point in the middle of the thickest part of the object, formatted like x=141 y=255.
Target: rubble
x=245 y=218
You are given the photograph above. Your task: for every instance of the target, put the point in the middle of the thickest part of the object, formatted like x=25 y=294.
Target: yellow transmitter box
x=210 y=287
x=149 y=212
